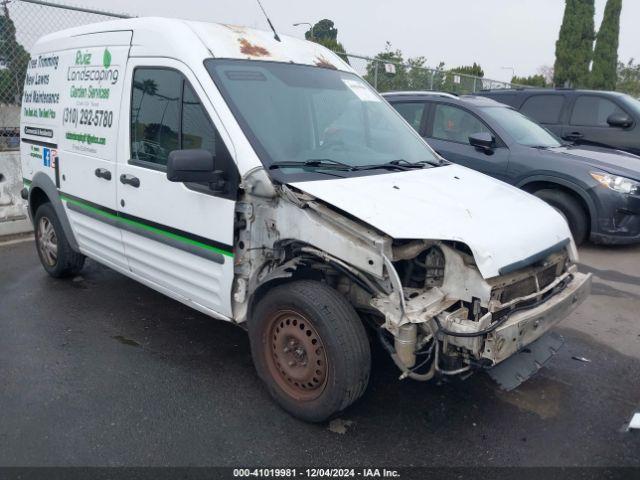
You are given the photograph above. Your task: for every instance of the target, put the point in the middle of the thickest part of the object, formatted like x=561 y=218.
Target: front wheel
x=56 y=255
x=310 y=348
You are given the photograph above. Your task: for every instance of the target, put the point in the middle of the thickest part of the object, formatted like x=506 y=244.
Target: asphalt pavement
x=101 y=371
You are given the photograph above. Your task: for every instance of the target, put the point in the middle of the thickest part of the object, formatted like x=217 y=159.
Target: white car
x=263 y=182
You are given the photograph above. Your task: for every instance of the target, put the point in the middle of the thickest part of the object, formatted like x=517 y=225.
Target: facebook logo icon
x=46 y=157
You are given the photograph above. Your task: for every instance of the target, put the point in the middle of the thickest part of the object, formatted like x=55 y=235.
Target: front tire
x=310 y=349
x=570 y=209
x=56 y=255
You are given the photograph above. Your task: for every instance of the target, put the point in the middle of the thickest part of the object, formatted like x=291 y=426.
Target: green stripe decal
x=148 y=228
x=26 y=183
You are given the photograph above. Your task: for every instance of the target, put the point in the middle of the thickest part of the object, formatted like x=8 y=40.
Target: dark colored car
x=596 y=189
x=605 y=119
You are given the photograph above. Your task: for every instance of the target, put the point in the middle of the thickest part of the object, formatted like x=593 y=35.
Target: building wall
x=13 y=209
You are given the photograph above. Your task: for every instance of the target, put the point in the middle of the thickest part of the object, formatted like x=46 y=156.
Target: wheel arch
x=542 y=182
x=320 y=267
x=286 y=273
x=43 y=190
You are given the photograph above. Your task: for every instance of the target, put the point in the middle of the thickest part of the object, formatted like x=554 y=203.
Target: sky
x=518 y=34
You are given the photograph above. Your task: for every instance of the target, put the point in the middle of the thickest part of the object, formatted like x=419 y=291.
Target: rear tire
x=310 y=349
x=570 y=209
x=56 y=255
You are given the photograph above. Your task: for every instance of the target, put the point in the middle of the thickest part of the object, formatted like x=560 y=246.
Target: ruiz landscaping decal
x=73 y=96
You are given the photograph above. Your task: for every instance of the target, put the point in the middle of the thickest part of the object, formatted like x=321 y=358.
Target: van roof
x=174 y=37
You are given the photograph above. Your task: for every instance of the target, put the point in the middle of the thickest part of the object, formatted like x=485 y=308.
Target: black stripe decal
x=90 y=204
x=186 y=247
x=195 y=244
x=39 y=143
x=113 y=221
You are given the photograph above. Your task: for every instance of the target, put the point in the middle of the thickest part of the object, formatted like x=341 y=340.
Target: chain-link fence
x=388 y=76
x=22 y=22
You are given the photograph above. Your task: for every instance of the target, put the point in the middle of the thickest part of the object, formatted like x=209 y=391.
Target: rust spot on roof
x=324 y=63
x=251 y=49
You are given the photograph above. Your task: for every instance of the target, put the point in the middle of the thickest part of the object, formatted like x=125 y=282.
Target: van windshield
x=305 y=121
x=524 y=131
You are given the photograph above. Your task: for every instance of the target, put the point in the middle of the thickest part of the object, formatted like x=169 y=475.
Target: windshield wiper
x=328 y=164
x=401 y=165
x=313 y=163
x=437 y=162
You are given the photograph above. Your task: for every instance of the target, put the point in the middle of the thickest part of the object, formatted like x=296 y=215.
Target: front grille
x=519 y=289
x=547 y=276
x=530 y=280
x=500 y=314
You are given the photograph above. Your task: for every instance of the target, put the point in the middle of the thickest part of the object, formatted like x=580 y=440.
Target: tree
x=574 y=48
x=462 y=79
x=605 y=55
x=325 y=33
x=15 y=58
x=413 y=74
x=531 y=81
x=475 y=70
x=322 y=30
x=394 y=79
x=629 y=78
x=419 y=77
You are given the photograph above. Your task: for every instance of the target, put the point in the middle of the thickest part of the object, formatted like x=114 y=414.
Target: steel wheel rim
x=296 y=355
x=47 y=242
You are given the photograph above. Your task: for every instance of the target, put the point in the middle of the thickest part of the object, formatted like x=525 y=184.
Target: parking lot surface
x=101 y=371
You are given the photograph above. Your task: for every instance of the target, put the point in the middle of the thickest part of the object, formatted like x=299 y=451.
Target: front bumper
x=617 y=219
x=525 y=327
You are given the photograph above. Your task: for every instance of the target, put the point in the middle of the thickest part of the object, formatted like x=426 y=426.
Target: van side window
x=197 y=129
x=167 y=115
x=456 y=125
x=593 y=111
x=155 y=114
x=544 y=108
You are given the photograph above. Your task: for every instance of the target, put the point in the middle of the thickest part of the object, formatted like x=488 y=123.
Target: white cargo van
x=263 y=182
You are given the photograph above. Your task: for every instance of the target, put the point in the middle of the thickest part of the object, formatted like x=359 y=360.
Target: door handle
x=130 y=180
x=103 y=173
x=575 y=136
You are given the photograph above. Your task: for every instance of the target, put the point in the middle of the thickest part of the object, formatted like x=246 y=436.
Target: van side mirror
x=619 y=120
x=483 y=141
x=197 y=166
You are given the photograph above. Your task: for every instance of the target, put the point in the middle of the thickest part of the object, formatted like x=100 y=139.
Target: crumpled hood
x=501 y=224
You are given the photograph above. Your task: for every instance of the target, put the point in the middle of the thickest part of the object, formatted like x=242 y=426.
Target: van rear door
x=178 y=237
x=81 y=79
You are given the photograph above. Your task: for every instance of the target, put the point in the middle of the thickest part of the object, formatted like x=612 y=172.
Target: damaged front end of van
x=471 y=292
